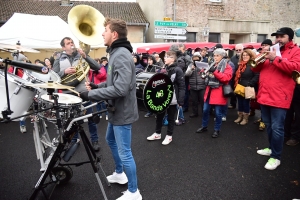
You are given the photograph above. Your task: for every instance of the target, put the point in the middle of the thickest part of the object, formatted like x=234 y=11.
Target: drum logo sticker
x=158 y=82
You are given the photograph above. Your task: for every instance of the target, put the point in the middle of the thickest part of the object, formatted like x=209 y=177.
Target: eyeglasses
x=239 y=50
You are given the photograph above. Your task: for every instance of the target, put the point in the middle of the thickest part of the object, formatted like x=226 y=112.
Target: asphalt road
x=193 y=166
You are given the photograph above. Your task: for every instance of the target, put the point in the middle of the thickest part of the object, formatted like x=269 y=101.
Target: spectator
x=104 y=62
x=48 y=63
x=159 y=61
x=219 y=73
x=138 y=67
x=245 y=77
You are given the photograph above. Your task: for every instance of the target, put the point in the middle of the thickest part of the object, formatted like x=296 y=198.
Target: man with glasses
x=235 y=59
x=275 y=92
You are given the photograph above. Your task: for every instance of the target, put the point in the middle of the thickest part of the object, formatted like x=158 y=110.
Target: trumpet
x=296 y=76
x=259 y=59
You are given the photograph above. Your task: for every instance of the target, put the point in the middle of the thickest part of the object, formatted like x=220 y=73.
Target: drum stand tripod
x=54 y=168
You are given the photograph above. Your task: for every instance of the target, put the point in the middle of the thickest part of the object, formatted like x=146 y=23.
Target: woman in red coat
x=218 y=75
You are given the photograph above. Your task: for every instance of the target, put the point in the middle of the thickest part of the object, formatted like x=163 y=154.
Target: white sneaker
x=23 y=129
x=106 y=117
x=117 y=178
x=223 y=119
x=167 y=140
x=272 y=164
x=130 y=196
x=100 y=116
x=154 y=136
x=265 y=152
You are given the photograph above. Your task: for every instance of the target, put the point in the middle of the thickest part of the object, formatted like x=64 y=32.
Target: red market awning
x=193 y=45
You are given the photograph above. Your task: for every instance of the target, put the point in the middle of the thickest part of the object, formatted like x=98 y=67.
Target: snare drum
x=20 y=95
x=69 y=106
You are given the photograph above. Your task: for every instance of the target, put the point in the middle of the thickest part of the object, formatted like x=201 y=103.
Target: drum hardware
x=17 y=47
x=50 y=85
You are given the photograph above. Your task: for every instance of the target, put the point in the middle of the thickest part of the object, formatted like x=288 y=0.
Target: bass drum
x=158 y=93
x=38 y=78
x=20 y=95
x=141 y=80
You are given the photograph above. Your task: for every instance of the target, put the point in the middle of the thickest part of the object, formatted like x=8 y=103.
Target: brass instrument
x=259 y=59
x=86 y=23
x=296 y=76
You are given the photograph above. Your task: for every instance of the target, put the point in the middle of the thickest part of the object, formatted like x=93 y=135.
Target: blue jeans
x=101 y=106
x=118 y=139
x=91 y=124
x=22 y=123
x=205 y=118
x=274 y=119
x=243 y=104
x=181 y=116
x=224 y=110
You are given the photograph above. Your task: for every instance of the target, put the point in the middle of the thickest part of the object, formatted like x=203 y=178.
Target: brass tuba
x=259 y=59
x=86 y=23
x=296 y=76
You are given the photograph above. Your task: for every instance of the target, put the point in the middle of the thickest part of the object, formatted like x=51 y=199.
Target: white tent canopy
x=35 y=31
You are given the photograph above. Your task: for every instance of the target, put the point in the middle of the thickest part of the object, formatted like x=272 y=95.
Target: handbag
x=227 y=91
x=249 y=93
x=240 y=90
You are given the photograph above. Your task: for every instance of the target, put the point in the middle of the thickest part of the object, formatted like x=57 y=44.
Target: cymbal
x=50 y=86
x=17 y=47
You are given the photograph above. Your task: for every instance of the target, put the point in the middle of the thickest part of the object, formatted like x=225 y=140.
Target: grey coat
x=119 y=88
x=196 y=81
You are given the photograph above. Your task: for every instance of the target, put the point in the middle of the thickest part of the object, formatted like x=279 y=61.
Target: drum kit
x=36 y=89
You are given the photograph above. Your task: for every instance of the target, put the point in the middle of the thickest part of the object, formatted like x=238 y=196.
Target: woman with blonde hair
x=245 y=77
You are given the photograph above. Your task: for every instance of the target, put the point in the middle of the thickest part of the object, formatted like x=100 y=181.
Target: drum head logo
x=158 y=93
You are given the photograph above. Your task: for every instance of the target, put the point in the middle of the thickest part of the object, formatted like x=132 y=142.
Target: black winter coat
x=177 y=77
x=249 y=78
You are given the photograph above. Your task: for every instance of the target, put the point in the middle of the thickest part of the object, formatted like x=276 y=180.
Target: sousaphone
x=86 y=23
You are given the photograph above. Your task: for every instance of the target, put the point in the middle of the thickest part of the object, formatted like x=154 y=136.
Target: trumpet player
x=275 y=91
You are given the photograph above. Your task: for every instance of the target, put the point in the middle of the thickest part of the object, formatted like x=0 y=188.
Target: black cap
x=219 y=46
x=284 y=31
x=267 y=41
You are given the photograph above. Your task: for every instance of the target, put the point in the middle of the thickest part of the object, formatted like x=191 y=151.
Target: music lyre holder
x=74 y=126
x=8 y=111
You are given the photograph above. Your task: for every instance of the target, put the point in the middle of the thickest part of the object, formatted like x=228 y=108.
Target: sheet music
x=202 y=65
x=277 y=48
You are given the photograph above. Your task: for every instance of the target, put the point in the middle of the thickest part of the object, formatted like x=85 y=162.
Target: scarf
x=121 y=42
x=211 y=80
x=239 y=71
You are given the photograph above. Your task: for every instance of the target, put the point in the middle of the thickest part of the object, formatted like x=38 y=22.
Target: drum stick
x=74 y=91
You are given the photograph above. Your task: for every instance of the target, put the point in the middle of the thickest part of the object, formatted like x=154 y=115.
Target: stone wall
x=255 y=14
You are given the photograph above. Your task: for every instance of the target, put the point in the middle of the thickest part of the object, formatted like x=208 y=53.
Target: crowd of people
x=113 y=79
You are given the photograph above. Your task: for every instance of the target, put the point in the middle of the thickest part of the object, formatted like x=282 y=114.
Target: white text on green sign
x=167 y=23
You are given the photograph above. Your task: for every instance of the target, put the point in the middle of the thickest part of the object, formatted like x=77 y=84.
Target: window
x=190 y=37
x=214 y=37
x=261 y=38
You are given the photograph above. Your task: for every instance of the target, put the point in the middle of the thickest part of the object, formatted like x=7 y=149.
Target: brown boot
x=240 y=117
x=245 y=119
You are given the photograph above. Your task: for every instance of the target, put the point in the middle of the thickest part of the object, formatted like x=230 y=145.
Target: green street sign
x=170 y=23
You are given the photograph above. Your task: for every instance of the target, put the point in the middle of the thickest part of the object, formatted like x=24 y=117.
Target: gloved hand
x=93 y=86
x=212 y=69
x=84 y=96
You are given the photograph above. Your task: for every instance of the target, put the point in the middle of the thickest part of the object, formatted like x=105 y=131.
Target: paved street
x=194 y=166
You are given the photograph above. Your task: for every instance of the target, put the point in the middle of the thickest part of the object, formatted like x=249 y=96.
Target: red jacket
x=216 y=94
x=98 y=77
x=276 y=85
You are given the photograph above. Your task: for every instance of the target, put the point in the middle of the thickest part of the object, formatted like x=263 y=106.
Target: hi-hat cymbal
x=17 y=47
x=50 y=86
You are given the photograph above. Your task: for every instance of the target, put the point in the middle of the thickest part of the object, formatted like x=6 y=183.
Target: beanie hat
x=267 y=41
x=284 y=31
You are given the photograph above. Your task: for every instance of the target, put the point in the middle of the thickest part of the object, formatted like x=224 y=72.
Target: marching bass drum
x=20 y=95
x=158 y=93
x=141 y=80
